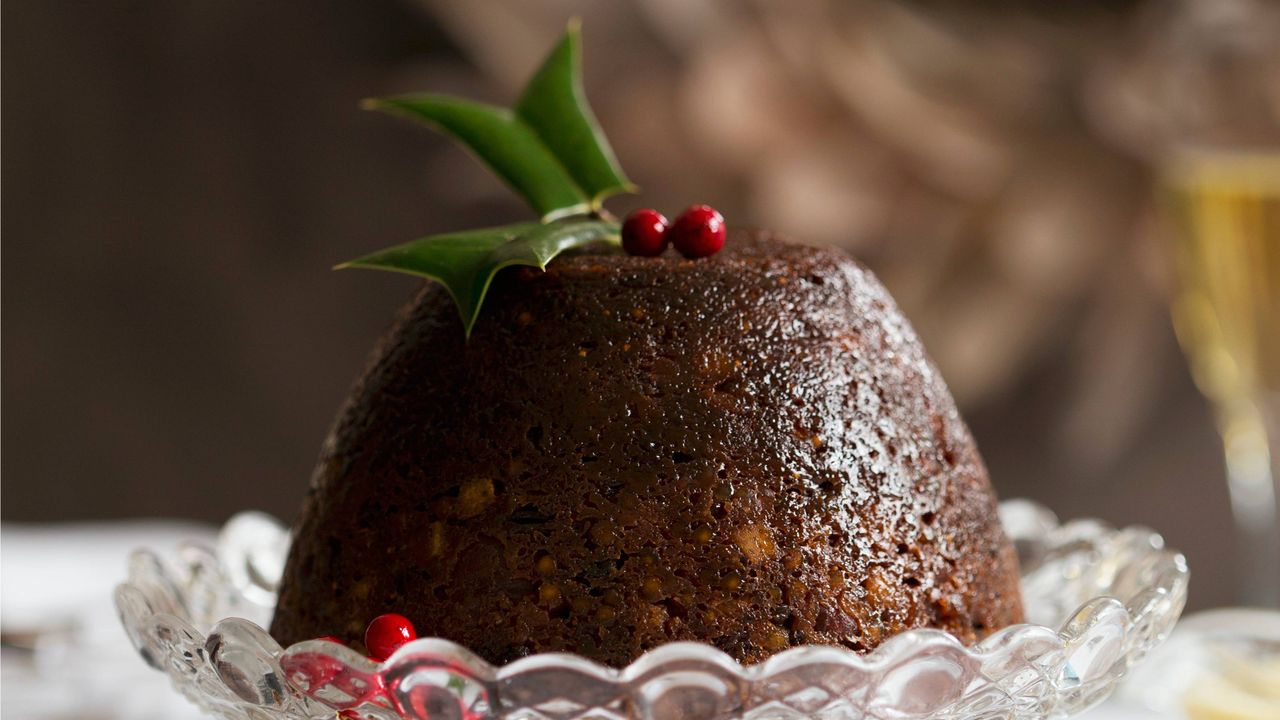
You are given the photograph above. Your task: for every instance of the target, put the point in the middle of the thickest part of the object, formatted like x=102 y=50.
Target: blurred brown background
x=179 y=177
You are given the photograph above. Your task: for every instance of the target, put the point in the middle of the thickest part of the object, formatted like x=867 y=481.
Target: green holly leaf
x=555 y=106
x=502 y=141
x=465 y=262
x=549 y=148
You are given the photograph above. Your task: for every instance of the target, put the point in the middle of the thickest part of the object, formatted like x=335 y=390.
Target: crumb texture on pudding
x=750 y=450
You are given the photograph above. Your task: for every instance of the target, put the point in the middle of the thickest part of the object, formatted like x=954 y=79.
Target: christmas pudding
x=596 y=438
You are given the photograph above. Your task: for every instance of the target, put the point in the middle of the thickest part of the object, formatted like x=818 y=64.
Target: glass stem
x=1251 y=482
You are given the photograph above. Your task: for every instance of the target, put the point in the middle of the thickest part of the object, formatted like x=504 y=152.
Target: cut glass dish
x=1096 y=600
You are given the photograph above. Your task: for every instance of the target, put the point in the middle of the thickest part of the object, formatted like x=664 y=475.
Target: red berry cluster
x=698 y=232
x=385 y=635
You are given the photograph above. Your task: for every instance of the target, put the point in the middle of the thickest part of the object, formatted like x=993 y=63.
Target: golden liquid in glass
x=1227 y=312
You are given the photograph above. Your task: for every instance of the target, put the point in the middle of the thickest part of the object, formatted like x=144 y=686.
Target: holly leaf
x=466 y=262
x=549 y=148
x=504 y=142
x=555 y=106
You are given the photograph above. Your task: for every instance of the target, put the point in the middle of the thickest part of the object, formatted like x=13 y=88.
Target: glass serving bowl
x=1096 y=600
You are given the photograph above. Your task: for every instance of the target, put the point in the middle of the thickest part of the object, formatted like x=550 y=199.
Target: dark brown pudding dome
x=750 y=450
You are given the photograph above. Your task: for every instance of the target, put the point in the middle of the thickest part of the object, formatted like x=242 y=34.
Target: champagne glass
x=1196 y=95
x=1226 y=206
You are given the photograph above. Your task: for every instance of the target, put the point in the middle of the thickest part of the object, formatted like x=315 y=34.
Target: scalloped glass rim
x=1096 y=598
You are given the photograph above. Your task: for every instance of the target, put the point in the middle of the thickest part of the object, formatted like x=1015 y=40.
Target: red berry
x=332 y=639
x=387 y=633
x=644 y=233
x=698 y=232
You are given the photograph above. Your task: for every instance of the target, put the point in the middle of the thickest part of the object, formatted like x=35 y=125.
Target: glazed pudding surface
x=750 y=450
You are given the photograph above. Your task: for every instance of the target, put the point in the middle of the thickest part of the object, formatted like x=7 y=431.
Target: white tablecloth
x=65 y=655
